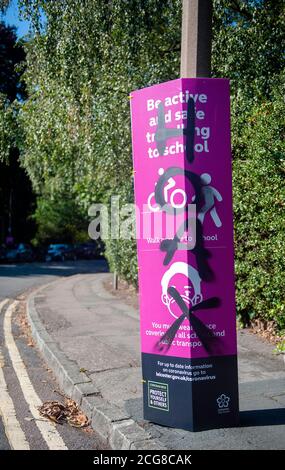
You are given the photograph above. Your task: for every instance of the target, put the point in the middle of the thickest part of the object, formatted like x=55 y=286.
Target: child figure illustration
x=210 y=194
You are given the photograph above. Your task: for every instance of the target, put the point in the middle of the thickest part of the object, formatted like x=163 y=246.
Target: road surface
x=25 y=381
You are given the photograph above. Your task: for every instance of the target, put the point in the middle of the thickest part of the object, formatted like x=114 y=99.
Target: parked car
x=25 y=253
x=70 y=253
x=40 y=253
x=60 y=252
x=89 y=250
x=20 y=253
x=3 y=252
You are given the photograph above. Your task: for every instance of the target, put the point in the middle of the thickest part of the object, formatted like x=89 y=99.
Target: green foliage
x=76 y=124
x=122 y=258
x=58 y=221
x=8 y=127
x=259 y=197
x=79 y=75
x=249 y=46
x=4 y=5
x=280 y=348
x=16 y=196
x=11 y=58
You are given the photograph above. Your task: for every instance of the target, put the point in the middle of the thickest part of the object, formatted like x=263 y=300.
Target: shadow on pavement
x=66 y=268
x=250 y=418
x=269 y=417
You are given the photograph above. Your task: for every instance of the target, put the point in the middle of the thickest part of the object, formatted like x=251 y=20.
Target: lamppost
x=196 y=38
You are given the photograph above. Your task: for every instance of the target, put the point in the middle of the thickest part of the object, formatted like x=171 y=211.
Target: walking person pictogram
x=210 y=194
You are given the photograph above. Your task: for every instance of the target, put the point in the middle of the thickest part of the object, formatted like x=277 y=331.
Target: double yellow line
x=13 y=428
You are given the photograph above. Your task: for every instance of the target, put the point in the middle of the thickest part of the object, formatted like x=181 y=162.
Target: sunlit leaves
x=76 y=122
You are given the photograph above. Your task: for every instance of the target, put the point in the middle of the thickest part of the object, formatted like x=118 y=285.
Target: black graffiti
x=202 y=255
x=205 y=335
x=169 y=173
x=163 y=133
x=170 y=246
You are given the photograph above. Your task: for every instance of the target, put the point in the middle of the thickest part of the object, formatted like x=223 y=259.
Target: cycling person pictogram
x=177 y=198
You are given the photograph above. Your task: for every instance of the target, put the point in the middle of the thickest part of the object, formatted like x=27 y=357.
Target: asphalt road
x=15 y=281
x=17 y=278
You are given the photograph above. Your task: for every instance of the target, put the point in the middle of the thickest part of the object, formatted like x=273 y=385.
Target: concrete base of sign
x=190 y=394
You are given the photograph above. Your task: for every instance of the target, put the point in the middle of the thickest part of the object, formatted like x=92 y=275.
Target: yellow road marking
x=13 y=430
x=47 y=429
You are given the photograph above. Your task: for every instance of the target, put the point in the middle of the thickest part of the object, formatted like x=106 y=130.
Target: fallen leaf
x=68 y=412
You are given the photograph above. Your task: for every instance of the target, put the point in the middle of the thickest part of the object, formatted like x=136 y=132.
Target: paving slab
x=93 y=345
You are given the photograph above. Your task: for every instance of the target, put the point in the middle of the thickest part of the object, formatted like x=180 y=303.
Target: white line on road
x=13 y=430
x=47 y=429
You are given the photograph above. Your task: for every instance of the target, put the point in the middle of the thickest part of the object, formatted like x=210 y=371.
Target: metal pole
x=196 y=38
x=115 y=281
x=10 y=211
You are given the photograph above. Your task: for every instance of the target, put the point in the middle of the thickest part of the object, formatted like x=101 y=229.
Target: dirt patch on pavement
x=266 y=331
x=125 y=292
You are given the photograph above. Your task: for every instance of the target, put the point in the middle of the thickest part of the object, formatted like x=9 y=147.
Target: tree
x=58 y=221
x=76 y=124
x=76 y=121
x=259 y=201
x=15 y=189
x=249 y=45
x=12 y=54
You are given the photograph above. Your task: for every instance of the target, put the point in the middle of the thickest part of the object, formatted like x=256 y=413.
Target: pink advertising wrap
x=182 y=171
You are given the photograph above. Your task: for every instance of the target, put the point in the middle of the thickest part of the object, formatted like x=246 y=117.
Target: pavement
x=90 y=339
